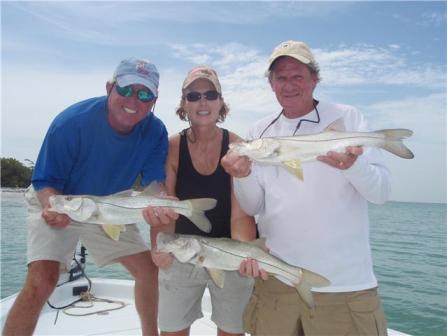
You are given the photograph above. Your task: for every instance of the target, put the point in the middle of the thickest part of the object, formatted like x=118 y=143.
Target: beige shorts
x=181 y=289
x=46 y=243
x=277 y=309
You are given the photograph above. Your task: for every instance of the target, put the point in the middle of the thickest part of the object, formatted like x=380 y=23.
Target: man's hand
x=162 y=260
x=342 y=160
x=235 y=165
x=55 y=219
x=159 y=216
x=250 y=268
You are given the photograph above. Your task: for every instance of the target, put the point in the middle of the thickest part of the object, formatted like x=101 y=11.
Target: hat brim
x=126 y=80
x=299 y=58
x=192 y=80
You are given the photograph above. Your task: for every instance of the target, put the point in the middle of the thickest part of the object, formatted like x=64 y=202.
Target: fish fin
x=199 y=219
x=113 y=230
x=337 y=125
x=294 y=167
x=218 y=276
x=394 y=144
x=260 y=242
x=124 y=193
x=153 y=189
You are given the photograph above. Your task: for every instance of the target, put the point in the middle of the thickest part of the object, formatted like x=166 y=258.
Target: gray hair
x=313 y=67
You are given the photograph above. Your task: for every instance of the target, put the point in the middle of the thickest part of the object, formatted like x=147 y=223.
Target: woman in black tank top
x=194 y=171
x=192 y=184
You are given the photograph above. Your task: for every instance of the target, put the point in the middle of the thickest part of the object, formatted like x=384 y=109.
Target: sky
x=388 y=59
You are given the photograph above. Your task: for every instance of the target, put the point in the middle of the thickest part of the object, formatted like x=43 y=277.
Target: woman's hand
x=250 y=268
x=162 y=260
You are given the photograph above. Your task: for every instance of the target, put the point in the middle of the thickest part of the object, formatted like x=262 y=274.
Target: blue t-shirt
x=82 y=154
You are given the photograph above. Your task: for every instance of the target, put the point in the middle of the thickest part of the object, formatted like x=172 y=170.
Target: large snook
x=126 y=208
x=289 y=152
x=223 y=254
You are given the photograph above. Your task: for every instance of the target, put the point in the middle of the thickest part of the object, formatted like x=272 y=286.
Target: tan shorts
x=277 y=309
x=46 y=243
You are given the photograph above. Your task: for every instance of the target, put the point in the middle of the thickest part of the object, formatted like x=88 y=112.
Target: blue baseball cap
x=135 y=70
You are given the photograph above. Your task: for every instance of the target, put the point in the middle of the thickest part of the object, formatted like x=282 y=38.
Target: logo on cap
x=140 y=67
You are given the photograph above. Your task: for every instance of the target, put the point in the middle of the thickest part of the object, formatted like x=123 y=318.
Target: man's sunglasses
x=208 y=95
x=144 y=96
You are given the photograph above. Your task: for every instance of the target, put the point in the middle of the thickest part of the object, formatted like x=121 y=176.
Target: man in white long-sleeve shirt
x=321 y=223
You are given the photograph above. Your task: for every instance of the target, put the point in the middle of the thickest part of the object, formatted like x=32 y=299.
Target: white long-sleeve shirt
x=321 y=223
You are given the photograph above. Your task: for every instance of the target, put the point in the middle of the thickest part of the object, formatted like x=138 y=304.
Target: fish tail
x=304 y=290
x=394 y=144
x=308 y=280
x=203 y=204
x=196 y=213
x=200 y=220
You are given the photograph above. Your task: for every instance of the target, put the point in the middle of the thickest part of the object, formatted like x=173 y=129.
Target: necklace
x=298 y=125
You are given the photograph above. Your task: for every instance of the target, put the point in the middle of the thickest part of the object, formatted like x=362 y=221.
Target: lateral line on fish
x=126 y=207
x=323 y=140
x=242 y=257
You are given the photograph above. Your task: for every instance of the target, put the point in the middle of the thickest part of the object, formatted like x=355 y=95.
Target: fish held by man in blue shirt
x=290 y=151
x=117 y=210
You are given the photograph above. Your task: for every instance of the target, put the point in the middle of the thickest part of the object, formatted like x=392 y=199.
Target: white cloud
x=366 y=65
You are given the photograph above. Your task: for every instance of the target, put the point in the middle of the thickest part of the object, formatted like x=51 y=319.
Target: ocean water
x=409 y=244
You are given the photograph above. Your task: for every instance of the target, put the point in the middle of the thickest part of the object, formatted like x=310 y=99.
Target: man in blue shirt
x=98 y=146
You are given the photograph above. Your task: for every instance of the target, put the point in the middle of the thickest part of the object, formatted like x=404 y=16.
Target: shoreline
x=13 y=190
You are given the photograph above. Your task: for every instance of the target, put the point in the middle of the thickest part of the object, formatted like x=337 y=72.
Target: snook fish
x=223 y=254
x=116 y=210
x=290 y=151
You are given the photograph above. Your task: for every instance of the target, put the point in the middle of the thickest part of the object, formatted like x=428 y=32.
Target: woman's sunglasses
x=144 y=96
x=208 y=95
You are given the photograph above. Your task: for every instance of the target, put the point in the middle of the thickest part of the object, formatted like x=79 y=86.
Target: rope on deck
x=90 y=298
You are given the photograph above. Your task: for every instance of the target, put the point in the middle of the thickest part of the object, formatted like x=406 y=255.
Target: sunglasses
x=144 y=96
x=208 y=95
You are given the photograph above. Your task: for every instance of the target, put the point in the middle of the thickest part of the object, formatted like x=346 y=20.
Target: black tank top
x=191 y=184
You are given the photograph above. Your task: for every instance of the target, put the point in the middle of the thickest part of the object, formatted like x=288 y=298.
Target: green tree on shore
x=14 y=174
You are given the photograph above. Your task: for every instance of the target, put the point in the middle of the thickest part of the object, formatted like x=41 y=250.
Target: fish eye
x=69 y=198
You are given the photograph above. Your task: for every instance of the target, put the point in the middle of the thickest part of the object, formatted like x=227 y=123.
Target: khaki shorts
x=277 y=309
x=46 y=243
x=181 y=289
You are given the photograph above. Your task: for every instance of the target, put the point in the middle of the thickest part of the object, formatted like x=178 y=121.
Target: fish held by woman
x=223 y=254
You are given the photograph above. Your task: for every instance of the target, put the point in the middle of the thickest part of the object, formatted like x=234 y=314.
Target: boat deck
x=103 y=320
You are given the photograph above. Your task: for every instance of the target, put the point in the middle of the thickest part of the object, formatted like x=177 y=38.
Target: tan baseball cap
x=296 y=49
x=202 y=72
